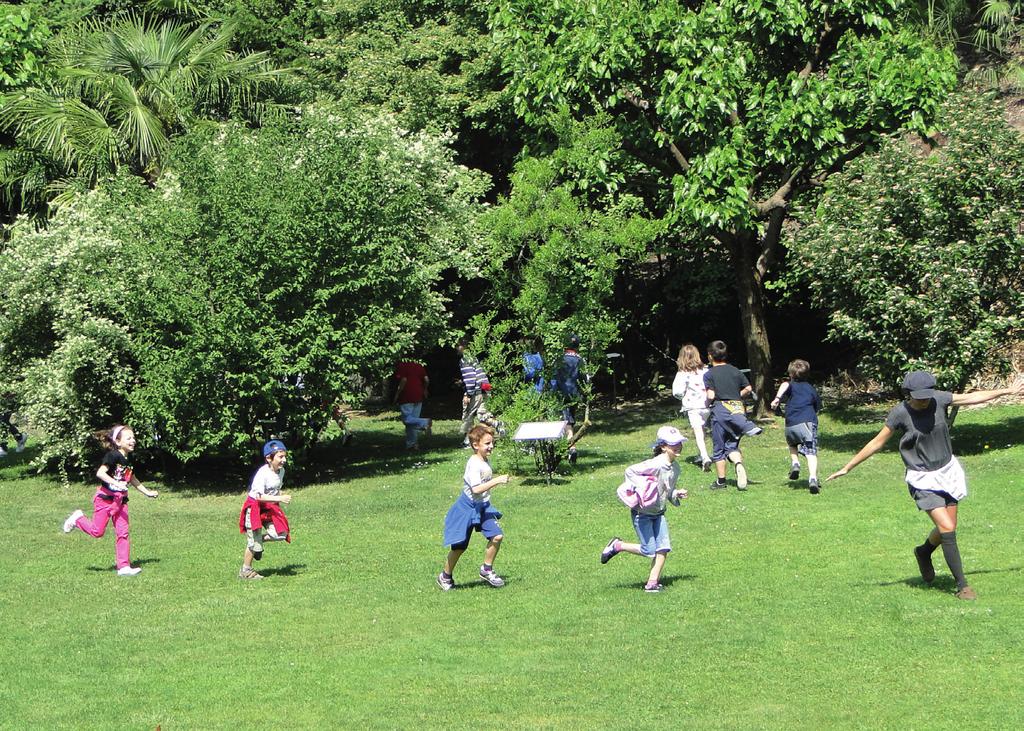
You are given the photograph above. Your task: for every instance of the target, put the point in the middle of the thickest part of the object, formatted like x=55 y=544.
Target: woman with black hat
x=934 y=476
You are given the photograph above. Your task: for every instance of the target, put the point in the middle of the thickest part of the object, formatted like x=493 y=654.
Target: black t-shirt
x=118 y=466
x=726 y=381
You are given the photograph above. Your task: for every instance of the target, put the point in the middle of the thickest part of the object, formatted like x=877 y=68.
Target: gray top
x=667 y=475
x=924 y=440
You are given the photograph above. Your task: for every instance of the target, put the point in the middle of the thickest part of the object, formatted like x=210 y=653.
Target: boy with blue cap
x=262 y=507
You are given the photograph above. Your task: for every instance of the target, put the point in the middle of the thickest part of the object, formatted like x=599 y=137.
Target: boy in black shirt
x=726 y=386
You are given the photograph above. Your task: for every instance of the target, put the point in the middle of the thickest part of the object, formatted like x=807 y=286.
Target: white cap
x=670 y=435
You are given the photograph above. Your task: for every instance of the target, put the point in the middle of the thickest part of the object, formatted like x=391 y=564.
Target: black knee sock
x=952 y=555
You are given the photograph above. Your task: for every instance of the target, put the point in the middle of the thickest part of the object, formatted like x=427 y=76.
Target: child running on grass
x=110 y=504
x=649 y=522
x=934 y=476
x=688 y=387
x=726 y=387
x=262 y=508
x=802 y=406
x=472 y=511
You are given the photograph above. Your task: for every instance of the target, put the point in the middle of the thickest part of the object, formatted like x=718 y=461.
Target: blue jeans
x=652 y=530
x=413 y=423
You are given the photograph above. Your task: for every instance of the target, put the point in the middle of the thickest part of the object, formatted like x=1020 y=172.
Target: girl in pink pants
x=110 y=504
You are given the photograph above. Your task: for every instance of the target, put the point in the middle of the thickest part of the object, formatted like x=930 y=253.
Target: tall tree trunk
x=744 y=251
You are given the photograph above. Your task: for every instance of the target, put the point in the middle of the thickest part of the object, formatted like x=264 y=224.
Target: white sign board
x=535 y=430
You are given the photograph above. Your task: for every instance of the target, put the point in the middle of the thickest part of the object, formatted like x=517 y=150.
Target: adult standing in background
x=410 y=393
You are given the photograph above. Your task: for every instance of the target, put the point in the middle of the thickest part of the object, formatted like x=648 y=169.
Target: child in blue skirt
x=472 y=511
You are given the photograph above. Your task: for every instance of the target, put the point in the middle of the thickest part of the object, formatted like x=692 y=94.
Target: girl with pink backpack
x=648 y=487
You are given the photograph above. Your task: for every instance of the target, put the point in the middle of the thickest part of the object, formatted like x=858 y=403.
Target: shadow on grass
x=137 y=562
x=292 y=569
x=666 y=581
x=944 y=583
x=968 y=439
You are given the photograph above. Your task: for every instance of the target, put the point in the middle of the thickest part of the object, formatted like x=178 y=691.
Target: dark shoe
x=716 y=485
x=609 y=551
x=571 y=457
x=706 y=465
x=924 y=565
x=967 y=594
x=794 y=472
x=812 y=484
x=257 y=555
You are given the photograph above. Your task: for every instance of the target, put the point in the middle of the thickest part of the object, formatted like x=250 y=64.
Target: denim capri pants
x=652 y=530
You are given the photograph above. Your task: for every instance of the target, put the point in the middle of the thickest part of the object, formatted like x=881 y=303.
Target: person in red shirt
x=410 y=393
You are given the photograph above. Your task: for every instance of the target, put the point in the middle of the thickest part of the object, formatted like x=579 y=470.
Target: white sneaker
x=69 y=524
x=741 y=476
x=128 y=570
x=22 y=440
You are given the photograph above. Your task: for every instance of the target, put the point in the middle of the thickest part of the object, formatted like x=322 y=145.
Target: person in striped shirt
x=476 y=387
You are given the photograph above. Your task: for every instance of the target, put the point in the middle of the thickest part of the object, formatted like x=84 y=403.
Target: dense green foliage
x=989 y=31
x=919 y=258
x=22 y=37
x=551 y=273
x=189 y=310
x=114 y=95
x=730 y=109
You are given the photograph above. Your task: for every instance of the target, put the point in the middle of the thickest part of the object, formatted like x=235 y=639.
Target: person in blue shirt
x=802 y=406
x=533 y=367
x=566 y=383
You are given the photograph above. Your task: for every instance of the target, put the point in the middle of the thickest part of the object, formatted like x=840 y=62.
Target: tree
x=920 y=257
x=555 y=254
x=118 y=90
x=316 y=249
x=729 y=110
x=429 y=62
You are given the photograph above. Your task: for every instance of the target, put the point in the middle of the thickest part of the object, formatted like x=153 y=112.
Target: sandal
x=249 y=573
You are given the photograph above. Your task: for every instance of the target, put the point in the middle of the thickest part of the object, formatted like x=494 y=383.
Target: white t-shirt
x=266 y=482
x=688 y=387
x=478 y=471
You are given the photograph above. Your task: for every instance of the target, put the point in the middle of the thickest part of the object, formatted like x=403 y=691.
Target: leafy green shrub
x=920 y=258
x=552 y=267
x=190 y=310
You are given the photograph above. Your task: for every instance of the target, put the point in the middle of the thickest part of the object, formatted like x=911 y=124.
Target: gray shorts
x=804 y=437
x=930 y=499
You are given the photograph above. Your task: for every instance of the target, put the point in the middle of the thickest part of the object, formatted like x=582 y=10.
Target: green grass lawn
x=782 y=609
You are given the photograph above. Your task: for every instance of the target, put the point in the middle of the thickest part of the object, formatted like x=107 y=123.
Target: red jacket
x=261 y=513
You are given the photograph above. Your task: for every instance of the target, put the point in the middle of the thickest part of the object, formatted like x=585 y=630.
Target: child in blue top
x=802 y=406
x=472 y=511
x=649 y=522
